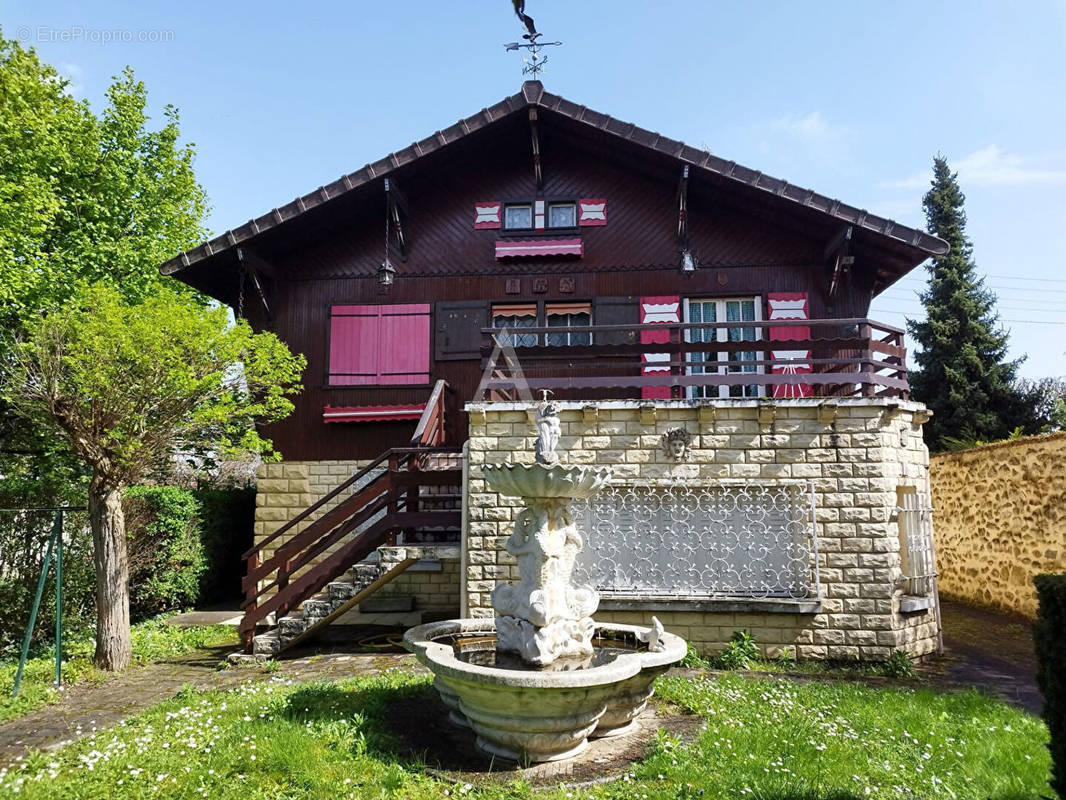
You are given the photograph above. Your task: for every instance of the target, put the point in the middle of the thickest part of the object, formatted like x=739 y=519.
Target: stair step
x=292 y=625
x=317 y=606
x=339 y=591
x=266 y=644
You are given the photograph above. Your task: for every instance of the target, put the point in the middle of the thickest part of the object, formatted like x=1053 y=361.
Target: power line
x=874 y=312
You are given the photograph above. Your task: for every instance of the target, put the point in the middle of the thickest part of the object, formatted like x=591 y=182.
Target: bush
x=165 y=552
x=1049 y=635
x=227 y=521
x=739 y=653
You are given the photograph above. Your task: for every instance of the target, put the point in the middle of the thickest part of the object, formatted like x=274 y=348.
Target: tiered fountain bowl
x=542 y=677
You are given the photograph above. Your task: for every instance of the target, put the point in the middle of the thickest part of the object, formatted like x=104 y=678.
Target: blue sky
x=851 y=99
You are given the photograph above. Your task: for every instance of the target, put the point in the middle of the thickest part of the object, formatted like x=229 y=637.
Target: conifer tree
x=963 y=375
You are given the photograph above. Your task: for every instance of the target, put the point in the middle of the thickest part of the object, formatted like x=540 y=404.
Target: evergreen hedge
x=1049 y=635
x=165 y=552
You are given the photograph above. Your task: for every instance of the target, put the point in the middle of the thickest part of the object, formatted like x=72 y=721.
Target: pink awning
x=538 y=248
x=371 y=413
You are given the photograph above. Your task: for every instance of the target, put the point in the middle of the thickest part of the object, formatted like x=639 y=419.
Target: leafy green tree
x=129 y=384
x=963 y=375
x=82 y=199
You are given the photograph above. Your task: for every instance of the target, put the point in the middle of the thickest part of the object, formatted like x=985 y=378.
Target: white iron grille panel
x=750 y=540
x=919 y=562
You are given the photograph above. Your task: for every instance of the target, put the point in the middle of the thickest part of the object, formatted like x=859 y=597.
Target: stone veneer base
x=855 y=451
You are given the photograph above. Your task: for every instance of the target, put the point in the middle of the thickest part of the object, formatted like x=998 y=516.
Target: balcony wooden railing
x=844 y=357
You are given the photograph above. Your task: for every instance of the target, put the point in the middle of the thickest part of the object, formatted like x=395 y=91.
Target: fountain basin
x=575 y=482
x=529 y=714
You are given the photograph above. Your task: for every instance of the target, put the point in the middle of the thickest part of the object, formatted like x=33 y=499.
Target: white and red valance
x=591 y=211
x=488 y=215
x=657 y=310
x=371 y=413
x=789 y=305
x=538 y=248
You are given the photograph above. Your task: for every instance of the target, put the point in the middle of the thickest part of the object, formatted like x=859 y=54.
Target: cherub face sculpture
x=675 y=444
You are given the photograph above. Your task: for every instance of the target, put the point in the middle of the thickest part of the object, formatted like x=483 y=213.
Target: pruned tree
x=127 y=384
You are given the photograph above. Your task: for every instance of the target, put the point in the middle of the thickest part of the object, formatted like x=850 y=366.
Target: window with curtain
x=562 y=215
x=715 y=312
x=565 y=316
x=514 y=318
x=518 y=216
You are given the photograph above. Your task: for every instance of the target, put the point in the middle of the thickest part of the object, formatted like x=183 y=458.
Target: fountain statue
x=543 y=617
x=542 y=676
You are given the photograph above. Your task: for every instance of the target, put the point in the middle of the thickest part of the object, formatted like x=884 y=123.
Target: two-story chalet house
x=702 y=326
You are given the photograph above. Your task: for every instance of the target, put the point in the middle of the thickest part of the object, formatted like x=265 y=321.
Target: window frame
x=549 y=203
x=541 y=319
x=571 y=204
x=527 y=205
x=722 y=335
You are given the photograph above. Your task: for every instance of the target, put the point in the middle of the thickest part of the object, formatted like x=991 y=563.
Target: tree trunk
x=113 y=649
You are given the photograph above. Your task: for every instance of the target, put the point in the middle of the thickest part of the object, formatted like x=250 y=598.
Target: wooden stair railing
x=354 y=528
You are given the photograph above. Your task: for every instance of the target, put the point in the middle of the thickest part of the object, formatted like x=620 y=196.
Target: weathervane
x=534 y=64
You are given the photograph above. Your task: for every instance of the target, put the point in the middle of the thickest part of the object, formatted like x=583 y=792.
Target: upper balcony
x=780 y=359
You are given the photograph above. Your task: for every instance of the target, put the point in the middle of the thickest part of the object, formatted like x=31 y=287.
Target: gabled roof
x=534 y=95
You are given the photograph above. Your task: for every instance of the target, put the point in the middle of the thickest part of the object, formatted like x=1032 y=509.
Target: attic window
x=562 y=215
x=518 y=217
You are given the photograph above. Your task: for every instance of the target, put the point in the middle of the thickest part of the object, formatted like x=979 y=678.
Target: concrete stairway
x=315 y=610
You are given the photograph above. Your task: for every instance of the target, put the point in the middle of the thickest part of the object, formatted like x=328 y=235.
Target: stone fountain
x=542 y=677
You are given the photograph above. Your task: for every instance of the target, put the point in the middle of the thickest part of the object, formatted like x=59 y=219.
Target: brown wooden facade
x=747 y=239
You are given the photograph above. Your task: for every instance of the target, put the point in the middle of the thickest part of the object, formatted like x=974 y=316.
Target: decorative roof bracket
x=254 y=266
x=397 y=210
x=839 y=257
x=535 y=136
x=682 y=210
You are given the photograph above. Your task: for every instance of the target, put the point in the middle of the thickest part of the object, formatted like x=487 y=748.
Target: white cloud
x=812 y=128
x=992 y=166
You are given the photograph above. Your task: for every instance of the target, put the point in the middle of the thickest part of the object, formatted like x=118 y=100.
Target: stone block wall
x=856 y=452
x=284 y=489
x=1001 y=520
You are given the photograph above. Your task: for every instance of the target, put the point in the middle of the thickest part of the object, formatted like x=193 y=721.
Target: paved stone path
x=986 y=650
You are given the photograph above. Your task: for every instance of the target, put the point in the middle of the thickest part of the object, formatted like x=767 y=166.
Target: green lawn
x=153 y=640
x=764 y=738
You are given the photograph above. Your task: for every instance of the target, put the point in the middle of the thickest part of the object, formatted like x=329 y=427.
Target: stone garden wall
x=857 y=452
x=1000 y=520
x=286 y=488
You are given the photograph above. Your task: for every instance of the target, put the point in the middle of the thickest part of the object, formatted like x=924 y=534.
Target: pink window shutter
x=655 y=310
x=353 y=358
x=789 y=305
x=404 y=344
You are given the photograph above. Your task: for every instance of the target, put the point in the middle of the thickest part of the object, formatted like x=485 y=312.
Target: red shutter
x=789 y=305
x=353 y=361
x=591 y=211
x=654 y=310
x=379 y=345
x=404 y=344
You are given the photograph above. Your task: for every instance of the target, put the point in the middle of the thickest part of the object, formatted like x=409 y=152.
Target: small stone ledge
x=909 y=604
x=755 y=605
